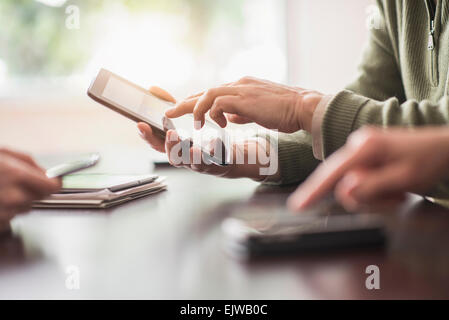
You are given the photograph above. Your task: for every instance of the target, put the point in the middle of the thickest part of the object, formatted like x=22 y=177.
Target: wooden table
x=169 y=245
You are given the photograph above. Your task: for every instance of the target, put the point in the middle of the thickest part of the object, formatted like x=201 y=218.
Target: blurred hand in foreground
x=21 y=182
x=377 y=167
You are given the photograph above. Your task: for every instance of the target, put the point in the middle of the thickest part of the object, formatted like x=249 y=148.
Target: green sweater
x=401 y=82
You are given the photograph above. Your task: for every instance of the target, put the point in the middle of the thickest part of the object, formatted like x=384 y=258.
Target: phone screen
x=152 y=110
x=146 y=105
x=249 y=236
x=73 y=166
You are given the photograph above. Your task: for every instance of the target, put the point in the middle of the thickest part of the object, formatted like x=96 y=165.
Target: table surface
x=170 y=246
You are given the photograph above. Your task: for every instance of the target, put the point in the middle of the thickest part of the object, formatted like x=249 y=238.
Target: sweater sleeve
x=379 y=62
x=378 y=75
x=377 y=95
x=378 y=79
x=295 y=157
x=349 y=111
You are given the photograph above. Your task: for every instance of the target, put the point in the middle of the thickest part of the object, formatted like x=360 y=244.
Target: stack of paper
x=101 y=190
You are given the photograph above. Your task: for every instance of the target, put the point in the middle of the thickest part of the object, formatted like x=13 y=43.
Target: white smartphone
x=138 y=104
x=73 y=166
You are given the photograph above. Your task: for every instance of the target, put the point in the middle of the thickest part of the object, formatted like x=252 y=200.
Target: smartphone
x=138 y=104
x=251 y=235
x=73 y=166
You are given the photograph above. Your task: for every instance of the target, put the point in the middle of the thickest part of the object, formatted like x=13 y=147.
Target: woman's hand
x=258 y=148
x=21 y=182
x=271 y=105
x=377 y=167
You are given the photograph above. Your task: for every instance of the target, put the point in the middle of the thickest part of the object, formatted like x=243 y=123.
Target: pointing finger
x=182 y=108
x=206 y=101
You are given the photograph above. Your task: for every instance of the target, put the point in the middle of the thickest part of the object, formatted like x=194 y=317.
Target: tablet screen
x=152 y=110
x=135 y=100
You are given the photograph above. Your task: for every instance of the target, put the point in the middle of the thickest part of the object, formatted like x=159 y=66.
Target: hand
x=21 y=182
x=172 y=143
x=377 y=167
x=271 y=105
x=156 y=142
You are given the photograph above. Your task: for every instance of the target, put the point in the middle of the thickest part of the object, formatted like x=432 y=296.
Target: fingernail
x=169 y=112
x=141 y=132
x=172 y=135
x=197 y=124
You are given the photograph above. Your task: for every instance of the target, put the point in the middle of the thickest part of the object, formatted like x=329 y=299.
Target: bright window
x=48 y=57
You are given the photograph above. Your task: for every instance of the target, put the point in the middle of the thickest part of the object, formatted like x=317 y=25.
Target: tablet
x=138 y=104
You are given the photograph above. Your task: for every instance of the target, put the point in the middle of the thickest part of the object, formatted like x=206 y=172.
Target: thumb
x=161 y=94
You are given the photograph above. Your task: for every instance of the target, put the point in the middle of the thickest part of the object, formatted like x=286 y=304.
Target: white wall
x=325 y=41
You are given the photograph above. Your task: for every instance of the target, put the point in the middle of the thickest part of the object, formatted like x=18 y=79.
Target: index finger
x=196 y=95
x=326 y=176
x=188 y=104
x=182 y=108
x=206 y=101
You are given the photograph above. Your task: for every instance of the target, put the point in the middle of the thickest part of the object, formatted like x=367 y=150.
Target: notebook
x=101 y=190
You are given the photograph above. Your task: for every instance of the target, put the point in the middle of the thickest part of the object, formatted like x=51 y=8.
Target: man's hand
x=377 y=167
x=21 y=182
x=171 y=146
x=271 y=105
